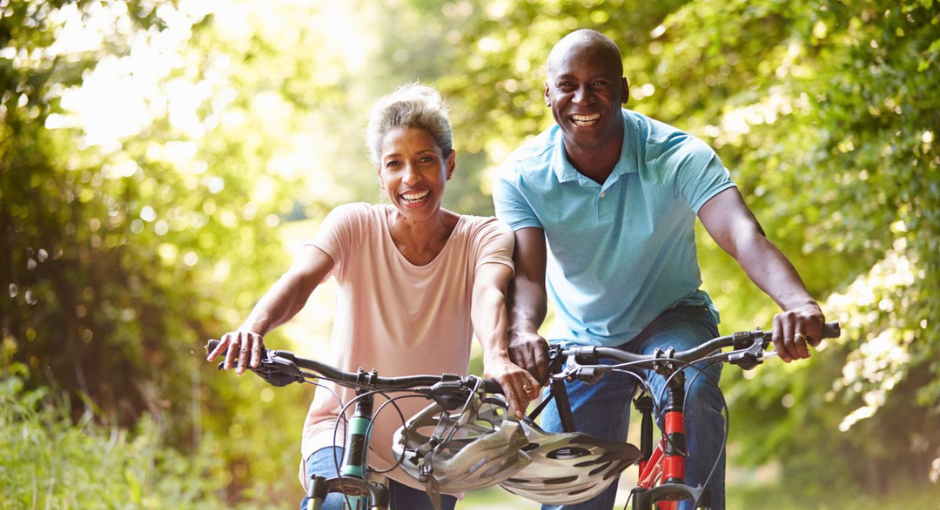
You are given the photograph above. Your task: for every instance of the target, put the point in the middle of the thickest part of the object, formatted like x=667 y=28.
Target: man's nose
x=582 y=95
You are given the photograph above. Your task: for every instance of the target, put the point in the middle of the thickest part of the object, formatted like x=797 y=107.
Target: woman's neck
x=420 y=242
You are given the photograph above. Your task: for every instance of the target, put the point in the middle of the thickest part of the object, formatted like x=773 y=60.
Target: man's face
x=585 y=90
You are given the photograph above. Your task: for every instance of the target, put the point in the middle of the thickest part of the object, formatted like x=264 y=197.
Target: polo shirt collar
x=565 y=172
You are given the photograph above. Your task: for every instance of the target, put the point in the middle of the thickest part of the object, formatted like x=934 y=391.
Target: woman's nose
x=410 y=174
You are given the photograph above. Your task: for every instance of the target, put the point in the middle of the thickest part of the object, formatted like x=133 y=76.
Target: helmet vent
x=529 y=447
x=599 y=469
x=568 y=452
x=559 y=481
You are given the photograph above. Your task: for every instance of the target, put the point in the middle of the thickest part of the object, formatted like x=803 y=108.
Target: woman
x=415 y=282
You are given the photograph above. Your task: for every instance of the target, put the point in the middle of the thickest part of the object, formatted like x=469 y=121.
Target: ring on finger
x=801 y=336
x=526 y=388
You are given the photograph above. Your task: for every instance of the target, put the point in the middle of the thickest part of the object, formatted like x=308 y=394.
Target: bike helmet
x=479 y=446
x=568 y=467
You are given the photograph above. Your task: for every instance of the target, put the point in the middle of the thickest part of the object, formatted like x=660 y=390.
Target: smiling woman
x=414 y=283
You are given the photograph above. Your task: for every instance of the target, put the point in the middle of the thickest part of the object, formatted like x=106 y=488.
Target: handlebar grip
x=831 y=330
x=211 y=345
x=491 y=386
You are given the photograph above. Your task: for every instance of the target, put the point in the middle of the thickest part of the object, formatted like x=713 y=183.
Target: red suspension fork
x=675 y=442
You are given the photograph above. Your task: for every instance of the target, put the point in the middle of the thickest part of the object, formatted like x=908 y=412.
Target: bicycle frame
x=352 y=482
x=665 y=463
x=661 y=478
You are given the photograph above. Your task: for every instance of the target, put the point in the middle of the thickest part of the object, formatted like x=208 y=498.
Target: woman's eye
x=426 y=159
x=391 y=164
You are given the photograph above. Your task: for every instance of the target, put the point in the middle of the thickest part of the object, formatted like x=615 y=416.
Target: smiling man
x=603 y=209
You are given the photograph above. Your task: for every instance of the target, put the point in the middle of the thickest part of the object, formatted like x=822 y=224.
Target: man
x=603 y=204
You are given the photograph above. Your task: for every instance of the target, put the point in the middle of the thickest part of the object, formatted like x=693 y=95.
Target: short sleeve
x=492 y=242
x=510 y=204
x=699 y=174
x=339 y=233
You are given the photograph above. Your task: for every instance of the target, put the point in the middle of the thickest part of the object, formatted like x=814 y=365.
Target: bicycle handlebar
x=280 y=368
x=747 y=348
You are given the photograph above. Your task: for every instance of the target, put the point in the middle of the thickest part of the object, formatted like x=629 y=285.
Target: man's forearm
x=528 y=305
x=773 y=273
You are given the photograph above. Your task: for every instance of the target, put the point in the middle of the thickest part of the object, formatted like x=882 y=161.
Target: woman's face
x=413 y=171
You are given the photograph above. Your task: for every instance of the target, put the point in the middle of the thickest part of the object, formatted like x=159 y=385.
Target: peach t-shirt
x=396 y=317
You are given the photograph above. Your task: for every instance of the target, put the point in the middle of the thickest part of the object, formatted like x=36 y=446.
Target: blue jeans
x=400 y=496
x=603 y=409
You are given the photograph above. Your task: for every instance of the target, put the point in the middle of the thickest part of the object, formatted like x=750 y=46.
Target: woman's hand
x=237 y=345
x=519 y=387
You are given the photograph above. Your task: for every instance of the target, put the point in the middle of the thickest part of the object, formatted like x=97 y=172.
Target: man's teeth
x=415 y=196
x=584 y=120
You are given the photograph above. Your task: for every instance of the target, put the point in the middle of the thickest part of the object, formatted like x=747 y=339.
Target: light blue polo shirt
x=621 y=253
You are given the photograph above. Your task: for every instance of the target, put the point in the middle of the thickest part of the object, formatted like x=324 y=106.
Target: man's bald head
x=582 y=41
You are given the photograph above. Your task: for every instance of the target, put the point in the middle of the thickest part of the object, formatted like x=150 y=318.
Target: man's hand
x=796 y=329
x=519 y=387
x=237 y=345
x=530 y=351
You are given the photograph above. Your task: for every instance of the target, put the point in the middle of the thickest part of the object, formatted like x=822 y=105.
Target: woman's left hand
x=518 y=385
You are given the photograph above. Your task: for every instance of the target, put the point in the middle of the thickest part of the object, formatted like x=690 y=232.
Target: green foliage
x=120 y=255
x=49 y=461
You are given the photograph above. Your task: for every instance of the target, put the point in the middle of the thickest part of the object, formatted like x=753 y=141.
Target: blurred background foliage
x=155 y=157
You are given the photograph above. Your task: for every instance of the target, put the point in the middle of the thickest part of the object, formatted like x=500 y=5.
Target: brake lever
x=585 y=374
x=748 y=358
x=275 y=370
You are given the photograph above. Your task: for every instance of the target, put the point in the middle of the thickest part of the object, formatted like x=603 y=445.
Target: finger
x=256 y=351
x=814 y=330
x=244 y=345
x=790 y=340
x=512 y=396
x=218 y=349
x=800 y=341
x=541 y=364
x=778 y=337
x=231 y=351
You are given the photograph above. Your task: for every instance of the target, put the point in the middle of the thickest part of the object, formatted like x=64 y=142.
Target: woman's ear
x=451 y=163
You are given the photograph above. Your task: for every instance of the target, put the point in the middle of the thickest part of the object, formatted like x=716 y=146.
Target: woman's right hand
x=237 y=345
x=519 y=387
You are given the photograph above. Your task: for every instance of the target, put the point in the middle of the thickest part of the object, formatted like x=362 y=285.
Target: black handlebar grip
x=491 y=386
x=211 y=345
x=831 y=330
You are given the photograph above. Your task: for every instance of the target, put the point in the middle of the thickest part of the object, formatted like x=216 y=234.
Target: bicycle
x=475 y=442
x=661 y=477
x=450 y=393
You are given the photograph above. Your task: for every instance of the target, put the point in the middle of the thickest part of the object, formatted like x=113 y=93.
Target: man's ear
x=548 y=95
x=624 y=91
